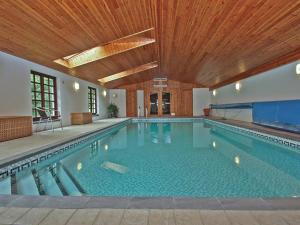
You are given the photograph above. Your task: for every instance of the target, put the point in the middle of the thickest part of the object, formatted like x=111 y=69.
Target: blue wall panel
x=281 y=114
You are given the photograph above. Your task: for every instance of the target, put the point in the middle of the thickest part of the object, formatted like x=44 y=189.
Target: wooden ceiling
x=207 y=42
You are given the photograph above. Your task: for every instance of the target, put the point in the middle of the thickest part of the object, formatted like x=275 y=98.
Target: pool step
x=26 y=185
x=53 y=171
x=49 y=183
x=68 y=182
x=5 y=186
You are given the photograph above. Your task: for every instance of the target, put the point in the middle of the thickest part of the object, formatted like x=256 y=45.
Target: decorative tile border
x=266 y=137
x=41 y=156
x=165 y=120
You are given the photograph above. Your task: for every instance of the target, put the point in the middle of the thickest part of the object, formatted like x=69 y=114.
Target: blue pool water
x=192 y=159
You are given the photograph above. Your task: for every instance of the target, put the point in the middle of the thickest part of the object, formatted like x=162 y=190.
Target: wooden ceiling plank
x=285 y=59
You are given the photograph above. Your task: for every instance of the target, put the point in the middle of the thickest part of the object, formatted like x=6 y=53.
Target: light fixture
x=238 y=86
x=76 y=86
x=237 y=160
x=114 y=95
x=104 y=93
x=79 y=166
x=214 y=92
x=106 y=147
x=298 y=69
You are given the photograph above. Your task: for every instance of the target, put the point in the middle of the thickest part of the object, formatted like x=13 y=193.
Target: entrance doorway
x=160 y=104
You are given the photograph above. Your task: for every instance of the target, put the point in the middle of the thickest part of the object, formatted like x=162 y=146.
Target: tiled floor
x=22 y=146
x=46 y=216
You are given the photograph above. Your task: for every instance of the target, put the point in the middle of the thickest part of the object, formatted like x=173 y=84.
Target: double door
x=159 y=103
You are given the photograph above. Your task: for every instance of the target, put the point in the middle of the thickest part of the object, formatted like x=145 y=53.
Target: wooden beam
x=129 y=72
x=282 y=60
x=117 y=46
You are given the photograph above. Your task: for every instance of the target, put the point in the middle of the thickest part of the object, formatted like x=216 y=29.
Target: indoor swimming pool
x=165 y=158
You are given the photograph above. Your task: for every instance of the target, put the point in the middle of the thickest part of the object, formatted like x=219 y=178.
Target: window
x=92 y=100
x=43 y=93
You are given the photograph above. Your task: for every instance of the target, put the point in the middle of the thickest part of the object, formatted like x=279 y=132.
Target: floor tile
x=268 y=218
x=135 y=217
x=161 y=217
x=241 y=217
x=214 y=217
x=12 y=214
x=187 y=217
x=197 y=203
x=34 y=216
x=109 y=217
x=84 y=217
x=292 y=217
x=58 y=217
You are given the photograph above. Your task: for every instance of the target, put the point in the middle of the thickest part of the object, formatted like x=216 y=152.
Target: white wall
x=140 y=102
x=281 y=83
x=118 y=97
x=15 y=89
x=201 y=100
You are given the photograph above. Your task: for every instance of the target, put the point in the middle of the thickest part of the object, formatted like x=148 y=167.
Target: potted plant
x=206 y=111
x=113 y=110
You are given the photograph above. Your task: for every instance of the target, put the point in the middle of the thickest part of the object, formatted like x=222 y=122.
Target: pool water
x=191 y=159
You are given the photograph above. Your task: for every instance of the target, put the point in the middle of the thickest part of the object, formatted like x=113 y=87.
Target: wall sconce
x=76 y=86
x=238 y=86
x=104 y=93
x=298 y=69
x=214 y=92
x=106 y=147
x=114 y=95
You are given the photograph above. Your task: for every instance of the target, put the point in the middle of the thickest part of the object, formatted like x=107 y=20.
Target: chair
x=46 y=117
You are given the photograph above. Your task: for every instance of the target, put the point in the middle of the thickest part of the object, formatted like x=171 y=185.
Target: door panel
x=187 y=103
x=131 y=103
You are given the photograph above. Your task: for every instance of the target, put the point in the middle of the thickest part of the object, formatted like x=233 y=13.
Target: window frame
x=42 y=93
x=90 y=100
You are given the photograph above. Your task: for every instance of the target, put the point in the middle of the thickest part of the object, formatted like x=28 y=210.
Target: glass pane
x=52 y=105
x=166 y=99
x=32 y=95
x=32 y=87
x=38 y=96
x=46 y=80
x=47 y=105
x=46 y=97
x=32 y=77
x=37 y=79
x=37 y=87
x=51 y=82
x=46 y=88
x=51 y=89
x=154 y=104
x=38 y=104
x=51 y=97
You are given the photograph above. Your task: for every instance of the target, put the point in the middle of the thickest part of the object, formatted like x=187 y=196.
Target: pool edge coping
x=45 y=148
x=90 y=202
